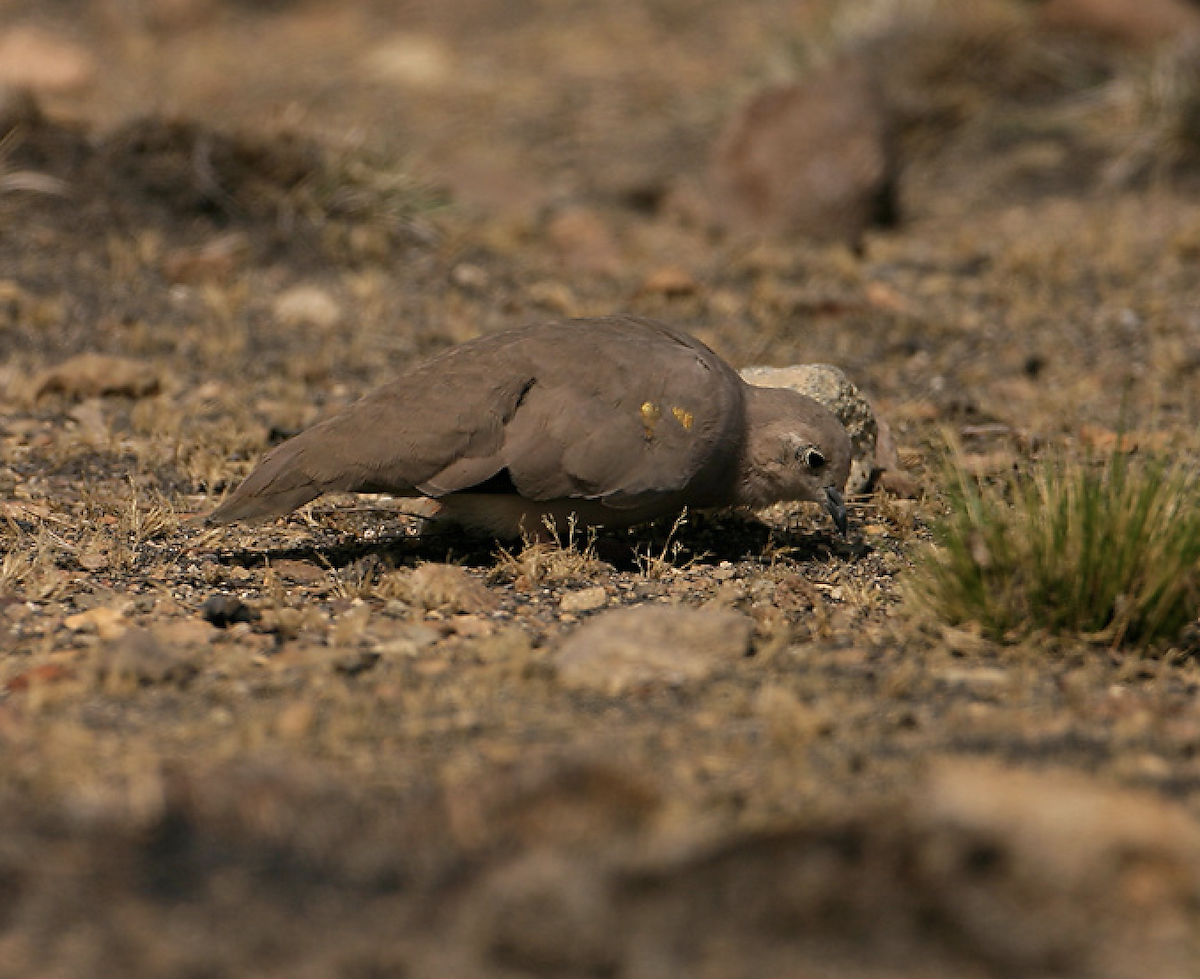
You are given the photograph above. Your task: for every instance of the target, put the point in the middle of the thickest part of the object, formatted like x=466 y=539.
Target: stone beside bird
x=612 y=421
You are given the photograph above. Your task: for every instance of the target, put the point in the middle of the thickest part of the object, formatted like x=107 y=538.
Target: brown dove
x=611 y=421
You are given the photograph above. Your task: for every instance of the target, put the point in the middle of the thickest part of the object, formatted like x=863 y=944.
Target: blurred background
x=222 y=219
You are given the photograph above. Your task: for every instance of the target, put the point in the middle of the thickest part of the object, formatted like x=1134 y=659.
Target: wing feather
x=619 y=410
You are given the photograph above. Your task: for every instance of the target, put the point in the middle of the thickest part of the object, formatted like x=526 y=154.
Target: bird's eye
x=813 y=458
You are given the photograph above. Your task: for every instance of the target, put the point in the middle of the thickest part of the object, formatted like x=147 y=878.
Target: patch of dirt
x=339 y=745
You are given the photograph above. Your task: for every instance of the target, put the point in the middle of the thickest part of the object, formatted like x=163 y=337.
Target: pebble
x=307 y=305
x=226 y=610
x=584 y=600
x=35 y=59
x=447 y=587
x=651 y=646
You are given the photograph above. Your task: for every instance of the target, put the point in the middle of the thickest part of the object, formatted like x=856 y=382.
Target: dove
x=610 y=421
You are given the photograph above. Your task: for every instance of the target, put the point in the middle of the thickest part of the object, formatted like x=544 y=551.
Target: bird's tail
x=281 y=483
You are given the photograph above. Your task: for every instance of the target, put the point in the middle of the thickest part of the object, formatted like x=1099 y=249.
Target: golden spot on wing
x=683 y=416
x=650 y=413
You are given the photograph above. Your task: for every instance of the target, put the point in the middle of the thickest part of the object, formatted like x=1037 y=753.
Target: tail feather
x=279 y=485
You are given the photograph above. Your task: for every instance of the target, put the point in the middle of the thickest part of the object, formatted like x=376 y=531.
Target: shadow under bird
x=615 y=421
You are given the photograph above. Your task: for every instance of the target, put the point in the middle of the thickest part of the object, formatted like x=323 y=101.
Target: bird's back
x=618 y=410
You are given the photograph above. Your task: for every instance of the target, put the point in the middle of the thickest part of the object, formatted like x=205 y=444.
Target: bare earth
x=297 y=750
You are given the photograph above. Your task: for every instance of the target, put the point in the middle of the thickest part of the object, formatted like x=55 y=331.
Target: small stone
x=138 y=655
x=413 y=60
x=469 y=277
x=889 y=473
x=409 y=640
x=556 y=297
x=285 y=623
x=184 y=632
x=356 y=661
x=788 y=720
x=93 y=375
x=449 y=588
x=43 y=62
x=226 y=610
x=89 y=416
x=670 y=281
x=300 y=572
x=584 y=600
x=307 y=305
x=107 y=623
x=295 y=720
x=651 y=646
x=93 y=561
x=470 y=626
x=976 y=679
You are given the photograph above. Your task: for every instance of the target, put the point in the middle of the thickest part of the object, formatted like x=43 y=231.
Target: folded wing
x=618 y=410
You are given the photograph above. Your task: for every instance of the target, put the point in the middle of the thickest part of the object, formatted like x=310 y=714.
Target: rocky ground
x=346 y=744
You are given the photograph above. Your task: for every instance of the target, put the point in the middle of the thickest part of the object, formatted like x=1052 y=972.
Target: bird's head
x=795 y=449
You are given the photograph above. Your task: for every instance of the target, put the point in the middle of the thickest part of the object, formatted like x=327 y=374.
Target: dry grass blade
x=15 y=567
x=33 y=183
x=561 y=560
x=1159 y=128
x=1110 y=549
x=666 y=561
x=141 y=523
x=29 y=181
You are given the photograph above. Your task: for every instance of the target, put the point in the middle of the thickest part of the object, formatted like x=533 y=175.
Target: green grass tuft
x=1108 y=549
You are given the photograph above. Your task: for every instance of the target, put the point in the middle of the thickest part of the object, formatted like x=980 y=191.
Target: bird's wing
x=625 y=412
x=450 y=411
x=618 y=410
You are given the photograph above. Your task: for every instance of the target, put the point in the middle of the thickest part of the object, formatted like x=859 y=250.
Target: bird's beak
x=836 y=506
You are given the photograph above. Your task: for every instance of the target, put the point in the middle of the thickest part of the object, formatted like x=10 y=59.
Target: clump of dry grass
x=1158 y=118
x=562 y=560
x=281 y=175
x=29 y=566
x=941 y=63
x=666 y=561
x=26 y=181
x=1109 y=549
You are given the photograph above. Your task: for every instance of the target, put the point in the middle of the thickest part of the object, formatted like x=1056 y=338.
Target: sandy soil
x=298 y=750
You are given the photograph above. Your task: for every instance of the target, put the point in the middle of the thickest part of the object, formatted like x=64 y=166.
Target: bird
x=608 y=421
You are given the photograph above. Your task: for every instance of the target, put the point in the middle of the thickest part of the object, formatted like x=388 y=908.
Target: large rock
x=1054 y=866
x=812 y=159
